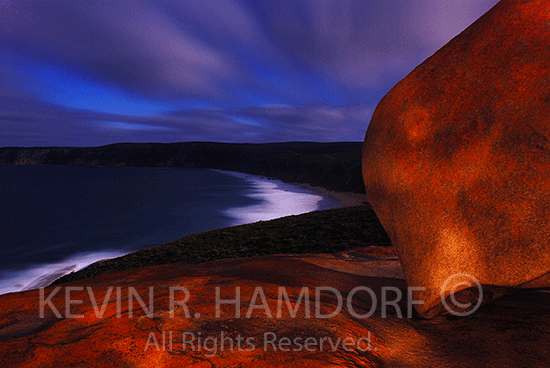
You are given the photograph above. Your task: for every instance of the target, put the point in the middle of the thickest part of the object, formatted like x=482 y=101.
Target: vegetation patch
x=327 y=231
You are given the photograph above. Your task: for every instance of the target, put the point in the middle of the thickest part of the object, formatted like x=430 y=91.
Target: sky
x=90 y=73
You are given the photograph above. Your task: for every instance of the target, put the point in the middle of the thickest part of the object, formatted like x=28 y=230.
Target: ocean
x=58 y=219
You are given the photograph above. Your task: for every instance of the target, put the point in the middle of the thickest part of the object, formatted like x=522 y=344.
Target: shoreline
x=345 y=199
x=277 y=199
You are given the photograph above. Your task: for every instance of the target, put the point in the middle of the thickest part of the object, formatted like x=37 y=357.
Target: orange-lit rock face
x=456 y=159
x=493 y=336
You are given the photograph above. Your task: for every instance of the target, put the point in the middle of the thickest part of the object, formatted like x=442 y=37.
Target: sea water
x=58 y=219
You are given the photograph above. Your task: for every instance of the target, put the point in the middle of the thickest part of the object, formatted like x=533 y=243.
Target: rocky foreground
x=75 y=332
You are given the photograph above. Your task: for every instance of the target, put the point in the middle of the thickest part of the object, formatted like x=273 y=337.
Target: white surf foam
x=278 y=199
x=42 y=275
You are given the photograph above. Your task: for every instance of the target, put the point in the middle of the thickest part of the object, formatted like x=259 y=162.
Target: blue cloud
x=229 y=70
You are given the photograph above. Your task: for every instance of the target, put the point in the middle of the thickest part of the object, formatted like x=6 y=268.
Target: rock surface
x=456 y=159
x=511 y=332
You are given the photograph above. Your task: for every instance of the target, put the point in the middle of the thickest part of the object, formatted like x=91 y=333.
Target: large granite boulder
x=456 y=161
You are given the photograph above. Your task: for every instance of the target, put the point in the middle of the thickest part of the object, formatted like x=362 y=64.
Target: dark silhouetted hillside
x=334 y=166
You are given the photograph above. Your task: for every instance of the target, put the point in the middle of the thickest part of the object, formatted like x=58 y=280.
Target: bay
x=58 y=219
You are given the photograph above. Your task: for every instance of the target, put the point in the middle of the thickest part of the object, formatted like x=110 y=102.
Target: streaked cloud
x=227 y=70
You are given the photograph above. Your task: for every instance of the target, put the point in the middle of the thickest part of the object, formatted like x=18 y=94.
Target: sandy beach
x=346 y=199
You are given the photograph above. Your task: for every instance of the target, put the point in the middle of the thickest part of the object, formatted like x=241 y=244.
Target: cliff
x=334 y=166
